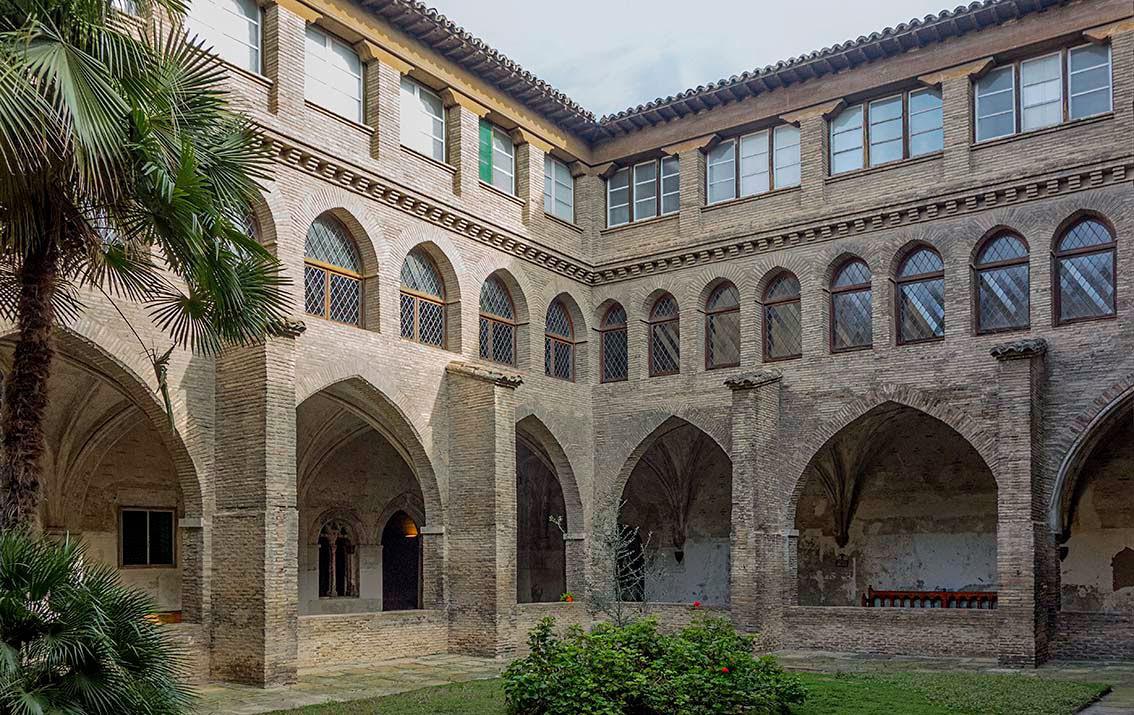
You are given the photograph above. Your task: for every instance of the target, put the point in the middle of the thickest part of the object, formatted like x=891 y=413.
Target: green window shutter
x=485 y=151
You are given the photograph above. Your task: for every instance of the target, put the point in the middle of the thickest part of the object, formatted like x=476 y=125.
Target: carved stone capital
x=478 y=372
x=288 y=328
x=371 y=52
x=1020 y=349
x=429 y=530
x=452 y=97
x=752 y=380
x=524 y=136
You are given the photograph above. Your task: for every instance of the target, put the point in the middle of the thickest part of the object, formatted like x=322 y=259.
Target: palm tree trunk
x=25 y=389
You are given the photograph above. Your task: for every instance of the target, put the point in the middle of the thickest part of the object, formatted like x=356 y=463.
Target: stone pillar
x=382 y=97
x=256 y=525
x=462 y=127
x=1027 y=563
x=813 y=142
x=956 y=84
x=481 y=522
x=432 y=565
x=285 y=40
x=760 y=533
x=530 y=151
x=575 y=551
x=691 y=160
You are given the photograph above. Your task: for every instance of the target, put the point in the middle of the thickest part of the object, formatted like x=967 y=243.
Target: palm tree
x=122 y=171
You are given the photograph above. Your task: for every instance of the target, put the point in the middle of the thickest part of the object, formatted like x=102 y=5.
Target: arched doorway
x=401 y=564
x=679 y=498
x=896 y=501
x=541 y=554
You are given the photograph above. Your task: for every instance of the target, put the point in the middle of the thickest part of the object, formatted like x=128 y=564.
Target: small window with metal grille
x=613 y=345
x=722 y=327
x=497 y=322
x=783 y=330
x=851 y=303
x=332 y=273
x=559 y=343
x=665 y=337
x=1085 y=258
x=921 y=297
x=1002 y=284
x=422 y=309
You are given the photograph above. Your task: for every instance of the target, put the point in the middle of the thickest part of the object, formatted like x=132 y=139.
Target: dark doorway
x=401 y=564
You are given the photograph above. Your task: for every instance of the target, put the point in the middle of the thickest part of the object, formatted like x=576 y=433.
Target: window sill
x=562 y=222
x=501 y=192
x=1008 y=139
x=749 y=199
x=871 y=170
x=338 y=117
x=636 y=224
x=428 y=159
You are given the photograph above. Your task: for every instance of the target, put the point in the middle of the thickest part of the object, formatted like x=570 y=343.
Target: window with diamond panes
x=559 y=343
x=665 y=337
x=921 y=297
x=332 y=280
x=497 y=323
x=422 y=309
x=1085 y=266
x=1002 y=285
x=851 y=326
x=783 y=335
x=615 y=349
x=722 y=327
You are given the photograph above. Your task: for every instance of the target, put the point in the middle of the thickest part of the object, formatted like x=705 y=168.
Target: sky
x=609 y=55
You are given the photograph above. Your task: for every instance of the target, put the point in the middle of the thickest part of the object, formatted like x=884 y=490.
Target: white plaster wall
x=701 y=576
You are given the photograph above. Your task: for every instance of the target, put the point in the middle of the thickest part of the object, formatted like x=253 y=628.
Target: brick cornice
x=478 y=372
x=969 y=69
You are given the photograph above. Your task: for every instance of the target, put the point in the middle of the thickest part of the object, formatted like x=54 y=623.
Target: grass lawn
x=891 y=694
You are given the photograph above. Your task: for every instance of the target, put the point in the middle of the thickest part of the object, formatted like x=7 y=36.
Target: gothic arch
x=536 y=432
x=653 y=426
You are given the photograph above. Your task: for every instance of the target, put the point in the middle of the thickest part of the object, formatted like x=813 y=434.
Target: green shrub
x=706 y=667
x=74 y=640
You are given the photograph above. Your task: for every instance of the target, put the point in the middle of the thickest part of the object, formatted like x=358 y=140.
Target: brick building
x=859 y=321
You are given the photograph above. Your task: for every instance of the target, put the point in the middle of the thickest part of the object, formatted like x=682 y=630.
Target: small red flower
x=696 y=604
x=724 y=670
x=569 y=599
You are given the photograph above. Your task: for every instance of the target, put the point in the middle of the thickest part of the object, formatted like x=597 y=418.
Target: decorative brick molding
x=752 y=380
x=479 y=372
x=1020 y=349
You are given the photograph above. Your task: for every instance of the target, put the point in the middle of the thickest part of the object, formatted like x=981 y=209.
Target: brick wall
x=893 y=631
x=366 y=638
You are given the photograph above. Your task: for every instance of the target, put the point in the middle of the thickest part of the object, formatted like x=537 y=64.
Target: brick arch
x=825 y=271
x=647 y=306
x=982 y=441
x=702 y=283
x=536 y=431
x=792 y=263
x=514 y=278
x=268 y=211
x=438 y=243
x=360 y=221
x=993 y=232
x=383 y=414
x=909 y=248
x=1078 y=215
x=408 y=502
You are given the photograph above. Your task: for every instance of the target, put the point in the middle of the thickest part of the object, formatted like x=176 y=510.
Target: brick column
x=759 y=535
x=432 y=565
x=462 y=127
x=590 y=204
x=256 y=526
x=1121 y=37
x=956 y=84
x=575 y=548
x=813 y=142
x=530 y=151
x=1025 y=548
x=285 y=40
x=481 y=523
x=691 y=160
x=382 y=97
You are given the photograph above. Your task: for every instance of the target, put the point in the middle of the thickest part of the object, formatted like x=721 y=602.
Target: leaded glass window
x=722 y=327
x=851 y=299
x=783 y=330
x=921 y=297
x=559 y=342
x=422 y=300
x=615 y=356
x=332 y=280
x=1002 y=285
x=1085 y=260
x=497 y=322
x=665 y=337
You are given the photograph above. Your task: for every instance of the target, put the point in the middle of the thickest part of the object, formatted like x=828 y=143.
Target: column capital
x=525 y=136
x=825 y=110
x=477 y=372
x=1025 y=349
x=753 y=380
x=701 y=143
x=452 y=97
x=287 y=328
x=371 y=52
x=970 y=69
x=1107 y=32
x=299 y=9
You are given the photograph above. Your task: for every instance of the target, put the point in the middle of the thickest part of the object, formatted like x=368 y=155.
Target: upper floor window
x=497 y=158
x=783 y=327
x=722 y=327
x=422 y=300
x=558 y=189
x=146 y=537
x=875 y=133
x=665 y=337
x=230 y=27
x=332 y=272
x=497 y=322
x=646 y=190
x=1085 y=262
x=422 y=120
x=1002 y=284
x=767 y=160
x=333 y=74
x=1065 y=85
x=921 y=297
x=615 y=357
x=559 y=342
x=851 y=300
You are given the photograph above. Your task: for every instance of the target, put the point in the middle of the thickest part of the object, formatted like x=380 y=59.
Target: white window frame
x=1109 y=85
x=709 y=164
x=506 y=140
x=611 y=207
x=217 y=36
x=910 y=117
x=778 y=131
x=329 y=43
x=772 y=143
x=634 y=192
x=556 y=192
x=868 y=125
x=763 y=144
x=670 y=167
x=664 y=167
x=862 y=139
x=421 y=116
x=977 y=96
x=1059 y=80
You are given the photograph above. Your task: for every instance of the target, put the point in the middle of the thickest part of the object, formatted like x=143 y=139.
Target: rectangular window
x=618 y=198
x=649 y=189
x=887 y=135
x=497 y=158
x=721 y=173
x=926 y=122
x=846 y=140
x=876 y=133
x=670 y=185
x=422 y=120
x=1041 y=92
x=1088 y=74
x=996 y=104
x=767 y=160
x=755 y=169
x=645 y=190
x=333 y=75
x=558 y=189
x=787 y=164
x=146 y=537
x=230 y=27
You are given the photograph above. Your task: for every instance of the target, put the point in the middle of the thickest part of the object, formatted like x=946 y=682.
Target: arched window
x=338 y=562
x=615 y=350
x=1085 y=263
x=921 y=297
x=722 y=327
x=423 y=300
x=783 y=338
x=332 y=273
x=559 y=343
x=665 y=337
x=851 y=325
x=497 y=322
x=1002 y=284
